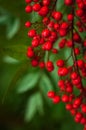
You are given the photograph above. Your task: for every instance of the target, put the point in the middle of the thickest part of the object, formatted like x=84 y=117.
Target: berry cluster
x=55 y=31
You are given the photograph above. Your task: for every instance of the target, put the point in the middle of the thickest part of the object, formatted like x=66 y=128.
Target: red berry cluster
x=58 y=30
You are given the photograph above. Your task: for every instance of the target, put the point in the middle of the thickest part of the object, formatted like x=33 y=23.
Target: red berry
x=65 y=98
x=41 y=64
x=27 y=24
x=34 y=62
x=43 y=11
x=60 y=63
x=36 y=7
x=46 y=2
x=70 y=17
x=83 y=108
x=62 y=71
x=74 y=75
x=32 y=33
x=35 y=42
x=51 y=94
x=68 y=2
x=47 y=46
x=49 y=66
x=56 y=99
x=28 y=9
x=45 y=33
x=69 y=106
x=57 y=15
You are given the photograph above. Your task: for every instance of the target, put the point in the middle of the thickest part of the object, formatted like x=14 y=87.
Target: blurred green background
x=23 y=101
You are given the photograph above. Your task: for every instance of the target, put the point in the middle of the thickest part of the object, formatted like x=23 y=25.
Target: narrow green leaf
x=10 y=60
x=12 y=27
x=39 y=102
x=30 y=108
x=46 y=83
x=45 y=86
x=34 y=104
x=28 y=82
x=34 y=17
x=59 y=4
x=3 y=19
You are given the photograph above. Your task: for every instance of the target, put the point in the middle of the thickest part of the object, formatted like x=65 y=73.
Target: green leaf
x=15 y=51
x=46 y=83
x=3 y=19
x=59 y=4
x=45 y=86
x=34 y=17
x=30 y=108
x=39 y=102
x=12 y=27
x=10 y=60
x=28 y=82
x=34 y=104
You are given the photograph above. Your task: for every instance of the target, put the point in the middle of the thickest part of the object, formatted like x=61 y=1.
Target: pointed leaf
x=28 y=82
x=39 y=102
x=10 y=60
x=34 y=104
x=30 y=108
x=12 y=27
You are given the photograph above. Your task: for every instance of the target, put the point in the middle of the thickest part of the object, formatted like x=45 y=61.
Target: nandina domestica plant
x=56 y=31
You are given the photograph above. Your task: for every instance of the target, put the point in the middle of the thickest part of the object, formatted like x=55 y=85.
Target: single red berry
x=79 y=12
x=61 y=83
x=56 y=99
x=77 y=51
x=35 y=42
x=46 y=33
x=80 y=63
x=28 y=9
x=62 y=32
x=62 y=43
x=68 y=2
x=51 y=94
x=73 y=112
x=65 y=98
x=36 y=7
x=57 y=15
x=41 y=64
x=30 y=53
x=77 y=102
x=27 y=24
x=45 y=20
x=69 y=43
x=70 y=17
x=83 y=120
x=28 y=1
x=31 y=33
x=83 y=108
x=64 y=25
x=60 y=63
x=69 y=106
x=74 y=75
x=34 y=62
x=46 y=2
